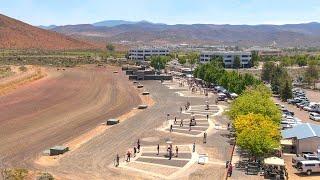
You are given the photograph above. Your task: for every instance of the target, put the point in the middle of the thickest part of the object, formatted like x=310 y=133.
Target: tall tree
x=255 y=58
x=286 y=91
x=267 y=70
x=312 y=74
x=236 y=62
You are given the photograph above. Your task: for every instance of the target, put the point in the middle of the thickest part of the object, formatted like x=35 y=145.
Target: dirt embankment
x=61 y=109
x=100 y=129
x=21 y=77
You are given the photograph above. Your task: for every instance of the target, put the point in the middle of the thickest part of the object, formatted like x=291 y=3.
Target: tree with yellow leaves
x=257 y=133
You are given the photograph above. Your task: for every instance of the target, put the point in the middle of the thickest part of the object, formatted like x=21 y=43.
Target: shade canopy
x=274 y=161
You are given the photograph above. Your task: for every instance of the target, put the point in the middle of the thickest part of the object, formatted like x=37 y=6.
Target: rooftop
x=226 y=52
x=302 y=131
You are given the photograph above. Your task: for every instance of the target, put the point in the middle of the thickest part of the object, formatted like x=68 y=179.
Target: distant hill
x=112 y=23
x=15 y=34
x=47 y=27
x=307 y=34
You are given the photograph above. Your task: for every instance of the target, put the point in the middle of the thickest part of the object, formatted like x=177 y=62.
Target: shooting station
x=56 y=150
x=112 y=121
x=142 y=106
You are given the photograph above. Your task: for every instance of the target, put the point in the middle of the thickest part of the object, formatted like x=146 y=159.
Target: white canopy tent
x=274 y=161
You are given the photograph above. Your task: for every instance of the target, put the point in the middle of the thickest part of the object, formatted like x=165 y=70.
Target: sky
x=63 y=12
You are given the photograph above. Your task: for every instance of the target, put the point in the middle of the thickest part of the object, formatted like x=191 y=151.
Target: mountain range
x=15 y=34
x=288 y=35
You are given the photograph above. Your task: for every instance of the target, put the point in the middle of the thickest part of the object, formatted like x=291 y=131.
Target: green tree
x=110 y=47
x=255 y=58
x=218 y=60
x=192 y=59
x=311 y=74
x=255 y=100
x=302 y=60
x=182 y=60
x=236 y=62
x=286 y=91
x=159 y=62
x=267 y=70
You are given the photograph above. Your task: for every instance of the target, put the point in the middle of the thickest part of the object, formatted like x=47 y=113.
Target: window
x=310 y=165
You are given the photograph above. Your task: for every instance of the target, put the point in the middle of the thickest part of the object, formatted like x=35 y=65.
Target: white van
x=308 y=166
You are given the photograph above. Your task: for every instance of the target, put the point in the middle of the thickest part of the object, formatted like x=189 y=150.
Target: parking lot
x=300 y=113
x=300 y=107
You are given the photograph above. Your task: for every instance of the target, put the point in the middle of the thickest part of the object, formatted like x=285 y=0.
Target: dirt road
x=58 y=108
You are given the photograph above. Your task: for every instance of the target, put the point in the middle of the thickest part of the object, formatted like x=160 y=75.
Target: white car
x=314 y=116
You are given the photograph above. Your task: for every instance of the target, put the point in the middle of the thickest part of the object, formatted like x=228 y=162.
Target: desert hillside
x=15 y=34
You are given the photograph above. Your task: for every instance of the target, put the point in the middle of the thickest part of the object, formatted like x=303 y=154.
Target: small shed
x=112 y=121
x=57 y=150
x=143 y=106
x=145 y=93
x=305 y=137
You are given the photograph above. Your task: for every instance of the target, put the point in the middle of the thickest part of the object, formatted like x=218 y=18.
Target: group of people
x=136 y=149
x=170 y=151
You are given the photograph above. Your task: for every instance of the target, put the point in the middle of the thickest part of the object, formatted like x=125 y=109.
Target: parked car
x=314 y=116
x=287 y=112
x=308 y=166
x=304 y=157
x=313 y=107
x=222 y=97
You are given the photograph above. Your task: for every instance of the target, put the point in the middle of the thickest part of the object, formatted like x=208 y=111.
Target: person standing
x=170 y=153
x=204 y=137
x=134 y=151
x=138 y=147
x=181 y=122
x=180 y=109
x=177 y=151
x=175 y=120
x=194 y=147
x=117 y=160
x=171 y=128
x=230 y=169
x=158 y=149
x=207 y=116
x=128 y=156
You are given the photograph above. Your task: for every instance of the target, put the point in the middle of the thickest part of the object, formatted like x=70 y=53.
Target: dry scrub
x=5 y=88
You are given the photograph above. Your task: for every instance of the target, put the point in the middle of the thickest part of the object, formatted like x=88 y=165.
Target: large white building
x=144 y=53
x=228 y=57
